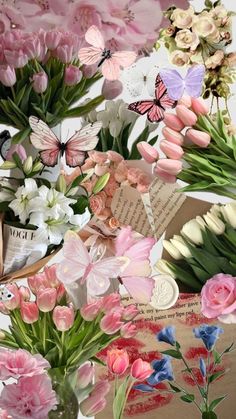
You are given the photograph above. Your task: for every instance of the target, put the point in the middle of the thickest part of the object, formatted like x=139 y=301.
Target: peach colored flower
x=121 y=172
x=104 y=214
x=183 y=19
x=114 y=156
x=179 y=58
x=186 y=39
x=113 y=223
x=97 y=156
x=97 y=202
x=133 y=174
x=100 y=170
x=111 y=187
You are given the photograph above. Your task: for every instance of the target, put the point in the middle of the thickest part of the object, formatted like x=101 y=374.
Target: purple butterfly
x=177 y=85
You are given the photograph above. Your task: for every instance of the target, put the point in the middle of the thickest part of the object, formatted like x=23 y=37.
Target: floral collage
x=117 y=209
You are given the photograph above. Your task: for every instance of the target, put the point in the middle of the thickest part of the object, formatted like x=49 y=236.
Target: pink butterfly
x=110 y=62
x=154 y=108
x=136 y=274
x=44 y=139
x=87 y=265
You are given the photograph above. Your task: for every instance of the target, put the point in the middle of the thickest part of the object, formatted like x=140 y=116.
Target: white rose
x=186 y=39
x=183 y=19
x=215 y=60
x=179 y=58
x=204 y=26
x=220 y=15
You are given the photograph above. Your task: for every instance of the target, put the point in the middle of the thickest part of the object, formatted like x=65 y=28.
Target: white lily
x=7 y=190
x=55 y=228
x=24 y=194
x=55 y=204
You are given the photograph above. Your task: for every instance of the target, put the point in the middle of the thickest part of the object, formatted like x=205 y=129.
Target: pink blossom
x=98 y=157
x=133 y=174
x=85 y=375
x=24 y=293
x=52 y=39
x=45 y=279
x=20 y=363
x=141 y=370
x=218 y=296
x=83 y=14
x=29 y=398
x=111 y=89
x=4 y=415
x=16 y=58
x=14 y=302
x=46 y=299
x=111 y=323
x=73 y=75
x=7 y=76
x=111 y=302
x=114 y=156
x=18 y=149
x=32 y=47
x=111 y=187
x=29 y=312
x=90 y=311
x=128 y=330
x=63 y=317
x=121 y=172
x=117 y=361
x=40 y=82
x=97 y=202
x=130 y=312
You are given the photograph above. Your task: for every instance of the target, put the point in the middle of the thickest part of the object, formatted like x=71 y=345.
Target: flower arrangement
x=204 y=248
x=202 y=37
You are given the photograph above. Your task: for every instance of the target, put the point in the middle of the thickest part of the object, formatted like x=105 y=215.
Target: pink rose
x=134 y=174
x=111 y=187
x=218 y=296
x=97 y=202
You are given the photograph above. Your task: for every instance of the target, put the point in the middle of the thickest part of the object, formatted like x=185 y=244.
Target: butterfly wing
x=162 y=95
x=174 y=83
x=140 y=288
x=124 y=58
x=83 y=140
x=150 y=80
x=141 y=107
x=89 y=55
x=156 y=114
x=194 y=80
x=111 y=69
x=45 y=141
x=133 y=79
x=98 y=280
x=94 y=37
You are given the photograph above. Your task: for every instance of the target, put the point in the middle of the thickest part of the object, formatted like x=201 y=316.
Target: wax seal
x=165 y=292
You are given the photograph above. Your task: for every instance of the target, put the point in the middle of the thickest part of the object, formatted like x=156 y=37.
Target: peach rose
x=111 y=187
x=134 y=174
x=183 y=19
x=97 y=202
x=186 y=39
x=204 y=26
x=113 y=223
x=97 y=156
x=121 y=172
x=179 y=58
x=215 y=60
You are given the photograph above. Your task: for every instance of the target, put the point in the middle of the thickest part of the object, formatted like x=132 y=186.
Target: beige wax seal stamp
x=165 y=292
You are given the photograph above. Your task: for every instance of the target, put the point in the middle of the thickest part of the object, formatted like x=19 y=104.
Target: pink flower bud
x=199 y=106
x=63 y=317
x=14 y=302
x=18 y=149
x=100 y=170
x=73 y=75
x=148 y=152
x=171 y=150
x=200 y=138
x=89 y=70
x=188 y=117
x=141 y=370
x=110 y=302
x=46 y=299
x=111 y=323
x=60 y=292
x=101 y=388
x=117 y=361
x=24 y=293
x=114 y=156
x=173 y=167
x=173 y=136
x=130 y=312
x=111 y=89
x=92 y=406
x=29 y=312
x=85 y=375
x=16 y=58
x=3 y=309
x=89 y=312
x=64 y=53
x=40 y=82
x=32 y=47
x=128 y=330
x=7 y=75
x=185 y=100
x=164 y=176
x=52 y=39
x=172 y=121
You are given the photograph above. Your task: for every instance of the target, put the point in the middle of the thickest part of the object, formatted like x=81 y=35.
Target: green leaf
x=188 y=398
x=176 y=389
x=77 y=181
x=216 y=375
x=80 y=206
x=185 y=277
x=215 y=402
x=20 y=136
x=119 y=400
x=101 y=183
x=134 y=153
x=173 y=353
x=216 y=356
x=209 y=415
x=83 y=109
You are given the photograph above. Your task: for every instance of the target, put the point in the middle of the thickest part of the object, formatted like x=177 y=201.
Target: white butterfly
x=135 y=80
x=5 y=294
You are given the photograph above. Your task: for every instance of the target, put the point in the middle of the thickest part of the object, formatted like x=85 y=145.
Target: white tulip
x=172 y=250
x=180 y=244
x=215 y=210
x=115 y=127
x=192 y=232
x=162 y=267
x=214 y=223
x=201 y=222
x=229 y=213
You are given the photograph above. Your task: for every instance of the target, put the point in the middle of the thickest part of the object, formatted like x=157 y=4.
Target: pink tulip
x=164 y=176
x=16 y=58
x=46 y=299
x=101 y=388
x=60 y=292
x=52 y=39
x=14 y=302
x=111 y=323
x=130 y=312
x=173 y=167
x=114 y=156
x=141 y=370
x=45 y=279
x=29 y=312
x=111 y=302
x=64 y=53
x=40 y=82
x=32 y=47
x=185 y=100
x=24 y=293
x=111 y=89
x=173 y=136
x=148 y=152
x=89 y=70
x=7 y=75
x=73 y=75
x=128 y=330
x=200 y=138
x=172 y=121
x=171 y=150
x=85 y=375
x=63 y=317
x=89 y=312
x=199 y=106
x=92 y=405
x=4 y=415
x=188 y=117
x=3 y=309
x=117 y=361
x=19 y=150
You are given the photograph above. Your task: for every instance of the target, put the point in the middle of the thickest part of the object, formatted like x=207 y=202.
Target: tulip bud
x=28 y=165
x=7 y=165
x=89 y=312
x=229 y=213
x=164 y=176
x=111 y=89
x=172 y=121
x=61 y=184
x=185 y=100
x=148 y=152
x=52 y=39
x=128 y=330
x=46 y=299
x=200 y=138
x=14 y=302
x=117 y=361
x=2 y=335
x=73 y=75
x=141 y=370
x=29 y=312
x=130 y=312
x=3 y=309
x=89 y=70
x=24 y=293
x=40 y=82
x=180 y=244
x=111 y=323
x=173 y=167
x=7 y=76
x=111 y=302
x=63 y=317
x=192 y=232
x=216 y=210
x=172 y=250
x=199 y=106
x=214 y=223
x=173 y=151
x=19 y=150
x=173 y=136
x=64 y=53
x=37 y=166
x=162 y=267
x=92 y=406
x=85 y=375
x=188 y=117
x=201 y=222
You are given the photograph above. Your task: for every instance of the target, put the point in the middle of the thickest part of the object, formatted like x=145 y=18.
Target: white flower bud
x=27 y=165
x=214 y=223
x=179 y=243
x=229 y=213
x=192 y=232
x=172 y=250
x=162 y=267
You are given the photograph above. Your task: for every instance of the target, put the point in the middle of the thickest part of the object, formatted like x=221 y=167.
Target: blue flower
x=162 y=371
x=208 y=334
x=144 y=388
x=202 y=367
x=167 y=335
